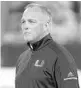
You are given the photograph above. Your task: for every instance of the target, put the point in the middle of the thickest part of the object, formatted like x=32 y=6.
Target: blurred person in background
x=45 y=64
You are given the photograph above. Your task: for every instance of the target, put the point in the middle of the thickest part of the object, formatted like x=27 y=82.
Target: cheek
x=21 y=27
x=39 y=29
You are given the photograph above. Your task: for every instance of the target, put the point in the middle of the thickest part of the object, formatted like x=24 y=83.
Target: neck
x=38 y=39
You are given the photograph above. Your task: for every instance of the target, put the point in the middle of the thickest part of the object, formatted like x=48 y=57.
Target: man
x=45 y=64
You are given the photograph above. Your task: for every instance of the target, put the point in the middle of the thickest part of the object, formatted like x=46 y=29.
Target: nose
x=26 y=28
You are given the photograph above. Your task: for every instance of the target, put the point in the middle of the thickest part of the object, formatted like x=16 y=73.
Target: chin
x=28 y=39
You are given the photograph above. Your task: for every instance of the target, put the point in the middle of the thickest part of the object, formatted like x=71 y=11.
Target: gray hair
x=44 y=9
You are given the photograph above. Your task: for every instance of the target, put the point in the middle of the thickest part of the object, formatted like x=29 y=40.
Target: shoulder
x=64 y=61
x=61 y=51
x=22 y=55
x=63 y=55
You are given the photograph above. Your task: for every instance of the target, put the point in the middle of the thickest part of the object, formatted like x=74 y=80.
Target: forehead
x=34 y=13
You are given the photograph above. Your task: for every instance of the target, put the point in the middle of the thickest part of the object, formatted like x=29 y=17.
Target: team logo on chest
x=70 y=76
x=39 y=63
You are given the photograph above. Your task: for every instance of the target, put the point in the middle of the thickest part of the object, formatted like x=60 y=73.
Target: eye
x=22 y=21
x=31 y=21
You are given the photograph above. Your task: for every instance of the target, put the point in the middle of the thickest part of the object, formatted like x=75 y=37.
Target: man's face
x=32 y=24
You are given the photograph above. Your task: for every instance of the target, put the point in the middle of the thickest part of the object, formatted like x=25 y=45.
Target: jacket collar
x=40 y=44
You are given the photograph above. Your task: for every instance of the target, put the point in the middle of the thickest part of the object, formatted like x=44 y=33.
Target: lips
x=25 y=33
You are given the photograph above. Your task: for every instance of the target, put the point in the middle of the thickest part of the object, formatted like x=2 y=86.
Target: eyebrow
x=32 y=20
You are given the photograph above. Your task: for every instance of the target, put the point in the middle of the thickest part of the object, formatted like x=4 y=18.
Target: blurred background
x=66 y=30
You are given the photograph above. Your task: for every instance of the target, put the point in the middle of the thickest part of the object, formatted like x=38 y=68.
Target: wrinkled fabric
x=46 y=65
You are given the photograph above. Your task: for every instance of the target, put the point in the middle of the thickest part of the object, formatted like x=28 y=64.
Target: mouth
x=25 y=33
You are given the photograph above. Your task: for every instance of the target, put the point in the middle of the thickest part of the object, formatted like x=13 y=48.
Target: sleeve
x=66 y=72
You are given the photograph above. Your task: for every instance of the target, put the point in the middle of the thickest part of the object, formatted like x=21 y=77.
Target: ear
x=46 y=24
